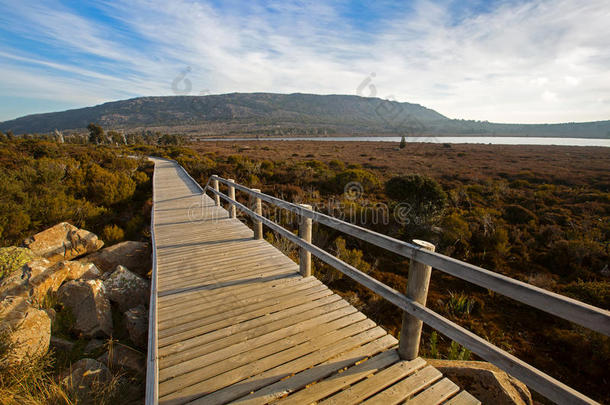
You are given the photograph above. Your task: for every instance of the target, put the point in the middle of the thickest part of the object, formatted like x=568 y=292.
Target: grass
x=460 y=304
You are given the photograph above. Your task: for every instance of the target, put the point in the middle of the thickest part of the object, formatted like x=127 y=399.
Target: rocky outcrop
x=39 y=277
x=27 y=329
x=87 y=301
x=63 y=242
x=82 y=271
x=485 y=381
x=85 y=377
x=135 y=256
x=121 y=357
x=136 y=323
x=126 y=289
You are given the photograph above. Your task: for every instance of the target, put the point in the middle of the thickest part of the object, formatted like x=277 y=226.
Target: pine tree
x=403 y=142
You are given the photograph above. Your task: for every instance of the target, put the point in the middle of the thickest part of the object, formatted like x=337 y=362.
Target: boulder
x=486 y=382
x=94 y=345
x=126 y=289
x=121 y=357
x=27 y=330
x=135 y=256
x=60 y=344
x=87 y=301
x=85 y=377
x=33 y=279
x=63 y=242
x=82 y=271
x=136 y=323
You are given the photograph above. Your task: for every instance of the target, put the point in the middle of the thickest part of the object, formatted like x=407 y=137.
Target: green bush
x=417 y=190
x=592 y=292
x=112 y=234
x=12 y=258
x=516 y=214
x=367 y=180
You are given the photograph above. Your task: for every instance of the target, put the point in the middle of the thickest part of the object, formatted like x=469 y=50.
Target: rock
x=61 y=344
x=63 y=242
x=94 y=345
x=52 y=314
x=87 y=301
x=86 y=376
x=136 y=323
x=33 y=279
x=82 y=271
x=485 y=381
x=124 y=357
x=27 y=329
x=126 y=289
x=12 y=258
x=135 y=256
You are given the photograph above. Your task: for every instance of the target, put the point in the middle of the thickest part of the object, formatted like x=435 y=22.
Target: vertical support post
x=258 y=209
x=232 y=212
x=216 y=196
x=417 y=290
x=305 y=225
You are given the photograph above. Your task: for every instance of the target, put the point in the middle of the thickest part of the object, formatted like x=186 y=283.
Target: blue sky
x=503 y=61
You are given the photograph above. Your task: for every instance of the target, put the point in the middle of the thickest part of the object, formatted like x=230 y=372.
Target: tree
x=96 y=133
x=403 y=142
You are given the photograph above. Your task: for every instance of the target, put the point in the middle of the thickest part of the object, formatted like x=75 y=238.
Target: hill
x=284 y=114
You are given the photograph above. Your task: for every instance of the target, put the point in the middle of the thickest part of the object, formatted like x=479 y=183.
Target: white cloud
x=541 y=61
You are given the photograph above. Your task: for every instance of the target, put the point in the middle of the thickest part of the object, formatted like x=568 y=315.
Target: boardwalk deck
x=236 y=323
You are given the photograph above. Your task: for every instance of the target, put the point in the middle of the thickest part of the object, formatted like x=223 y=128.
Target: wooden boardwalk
x=236 y=323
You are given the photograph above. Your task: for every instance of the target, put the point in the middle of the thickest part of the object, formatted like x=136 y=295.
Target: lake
x=505 y=140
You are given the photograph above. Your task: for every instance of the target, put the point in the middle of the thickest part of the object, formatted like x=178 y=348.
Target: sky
x=515 y=61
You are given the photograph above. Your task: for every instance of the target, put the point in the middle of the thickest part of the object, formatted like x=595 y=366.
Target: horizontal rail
x=534 y=378
x=569 y=309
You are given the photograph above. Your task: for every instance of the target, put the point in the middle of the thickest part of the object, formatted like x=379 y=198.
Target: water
x=495 y=140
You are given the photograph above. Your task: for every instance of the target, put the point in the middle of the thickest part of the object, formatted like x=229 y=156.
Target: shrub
x=416 y=189
x=367 y=180
x=12 y=258
x=112 y=234
x=516 y=214
x=593 y=292
x=352 y=257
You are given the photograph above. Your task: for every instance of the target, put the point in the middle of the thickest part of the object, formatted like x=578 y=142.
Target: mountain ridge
x=285 y=114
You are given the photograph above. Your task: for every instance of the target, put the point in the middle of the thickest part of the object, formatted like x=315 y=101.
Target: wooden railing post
x=258 y=208
x=232 y=210
x=417 y=289
x=216 y=196
x=305 y=225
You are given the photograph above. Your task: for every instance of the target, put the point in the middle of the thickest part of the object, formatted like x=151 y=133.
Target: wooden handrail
x=586 y=315
x=539 y=381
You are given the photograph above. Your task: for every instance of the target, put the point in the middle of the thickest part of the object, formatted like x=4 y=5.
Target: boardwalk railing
x=423 y=259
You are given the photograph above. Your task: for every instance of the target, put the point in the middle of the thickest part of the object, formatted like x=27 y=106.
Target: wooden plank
x=439 y=392
x=232 y=317
x=463 y=398
x=184 y=389
x=190 y=311
x=402 y=390
x=205 y=327
x=272 y=342
x=169 y=301
x=328 y=304
x=288 y=367
x=301 y=379
x=303 y=321
x=375 y=383
x=339 y=381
